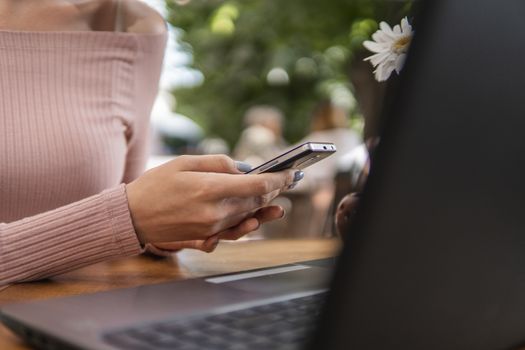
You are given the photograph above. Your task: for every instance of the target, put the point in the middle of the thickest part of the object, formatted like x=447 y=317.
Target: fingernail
x=242 y=166
x=213 y=244
x=298 y=176
x=283 y=214
x=292 y=186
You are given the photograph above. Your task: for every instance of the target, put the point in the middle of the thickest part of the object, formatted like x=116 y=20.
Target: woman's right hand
x=197 y=197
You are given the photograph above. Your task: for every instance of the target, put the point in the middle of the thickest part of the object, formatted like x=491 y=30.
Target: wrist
x=133 y=209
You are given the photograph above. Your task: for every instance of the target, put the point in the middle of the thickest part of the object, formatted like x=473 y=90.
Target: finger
x=239 y=209
x=238 y=206
x=206 y=163
x=170 y=246
x=298 y=176
x=271 y=213
x=254 y=185
x=207 y=245
x=174 y=246
x=210 y=244
x=250 y=224
x=164 y=251
x=243 y=167
x=236 y=232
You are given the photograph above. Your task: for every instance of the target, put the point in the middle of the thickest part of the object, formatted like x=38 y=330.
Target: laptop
x=435 y=258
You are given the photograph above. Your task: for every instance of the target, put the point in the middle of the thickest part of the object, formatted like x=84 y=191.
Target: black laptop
x=436 y=258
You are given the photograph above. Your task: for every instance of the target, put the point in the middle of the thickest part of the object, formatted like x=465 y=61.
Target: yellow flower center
x=401 y=45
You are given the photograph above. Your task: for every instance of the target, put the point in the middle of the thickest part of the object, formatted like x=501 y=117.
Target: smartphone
x=299 y=157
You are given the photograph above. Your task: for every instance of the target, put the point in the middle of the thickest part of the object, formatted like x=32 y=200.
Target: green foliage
x=236 y=44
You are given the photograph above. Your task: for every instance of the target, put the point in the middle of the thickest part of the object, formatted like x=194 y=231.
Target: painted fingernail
x=242 y=166
x=298 y=176
x=292 y=186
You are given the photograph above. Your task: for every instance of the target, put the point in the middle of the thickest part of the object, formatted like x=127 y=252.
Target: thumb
x=206 y=163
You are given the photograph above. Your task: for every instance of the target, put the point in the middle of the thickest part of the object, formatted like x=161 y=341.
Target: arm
x=82 y=233
x=187 y=200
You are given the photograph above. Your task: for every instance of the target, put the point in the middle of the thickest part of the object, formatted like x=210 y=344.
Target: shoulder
x=138 y=17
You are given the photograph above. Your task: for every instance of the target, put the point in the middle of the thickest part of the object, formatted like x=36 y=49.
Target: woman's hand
x=262 y=215
x=201 y=199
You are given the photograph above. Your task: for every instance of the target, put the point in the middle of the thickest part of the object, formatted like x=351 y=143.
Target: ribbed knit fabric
x=74 y=112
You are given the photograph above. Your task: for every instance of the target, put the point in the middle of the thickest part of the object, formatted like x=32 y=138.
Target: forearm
x=79 y=234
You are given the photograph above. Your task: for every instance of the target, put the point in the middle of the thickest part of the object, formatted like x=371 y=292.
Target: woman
x=78 y=79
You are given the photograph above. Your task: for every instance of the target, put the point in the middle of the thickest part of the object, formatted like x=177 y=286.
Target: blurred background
x=251 y=78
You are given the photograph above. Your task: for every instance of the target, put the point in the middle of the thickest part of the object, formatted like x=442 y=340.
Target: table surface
x=141 y=270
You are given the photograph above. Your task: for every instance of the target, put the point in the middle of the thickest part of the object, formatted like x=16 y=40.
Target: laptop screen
x=436 y=256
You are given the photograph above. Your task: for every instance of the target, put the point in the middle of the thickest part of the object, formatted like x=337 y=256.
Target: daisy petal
x=400 y=62
x=387 y=71
x=381 y=37
x=386 y=29
x=379 y=58
x=397 y=30
x=381 y=74
x=373 y=46
x=405 y=26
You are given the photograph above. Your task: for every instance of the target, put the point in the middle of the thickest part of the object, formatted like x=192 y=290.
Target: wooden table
x=141 y=270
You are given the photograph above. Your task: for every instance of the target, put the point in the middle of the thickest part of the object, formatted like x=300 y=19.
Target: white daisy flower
x=390 y=46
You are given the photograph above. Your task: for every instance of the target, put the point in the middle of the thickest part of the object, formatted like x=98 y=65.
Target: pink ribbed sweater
x=74 y=112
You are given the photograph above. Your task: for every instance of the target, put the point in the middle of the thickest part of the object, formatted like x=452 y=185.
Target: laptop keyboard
x=277 y=326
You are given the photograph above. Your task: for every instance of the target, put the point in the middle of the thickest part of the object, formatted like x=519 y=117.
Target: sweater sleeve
x=82 y=233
